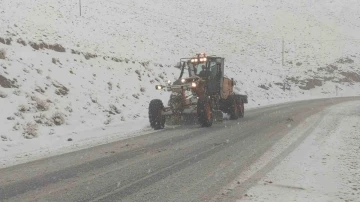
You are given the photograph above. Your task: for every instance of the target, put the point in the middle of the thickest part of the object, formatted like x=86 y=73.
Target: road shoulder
x=323 y=168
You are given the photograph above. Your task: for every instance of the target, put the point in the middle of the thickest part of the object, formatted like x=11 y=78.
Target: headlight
x=193 y=84
x=158 y=87
x=183 y=80
x=169 y=82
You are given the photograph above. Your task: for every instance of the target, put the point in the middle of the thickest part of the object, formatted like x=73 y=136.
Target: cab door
x=215 y=67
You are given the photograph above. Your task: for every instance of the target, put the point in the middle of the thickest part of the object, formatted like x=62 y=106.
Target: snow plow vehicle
x=204 y=95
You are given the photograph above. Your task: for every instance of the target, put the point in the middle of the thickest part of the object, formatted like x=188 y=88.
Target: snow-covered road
x=189 y=163
x=325 y=167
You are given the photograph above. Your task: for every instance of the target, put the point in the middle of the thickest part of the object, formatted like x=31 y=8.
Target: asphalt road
x=185 y=163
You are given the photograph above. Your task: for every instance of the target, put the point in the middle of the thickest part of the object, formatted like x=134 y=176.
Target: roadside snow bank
x=325 y=167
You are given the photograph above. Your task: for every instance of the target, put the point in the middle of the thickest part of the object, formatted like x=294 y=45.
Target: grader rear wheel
x=234 y=108
x=241 y=108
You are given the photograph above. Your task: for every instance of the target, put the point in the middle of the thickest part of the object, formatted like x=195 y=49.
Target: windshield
x=200 y=69
x=197 y=69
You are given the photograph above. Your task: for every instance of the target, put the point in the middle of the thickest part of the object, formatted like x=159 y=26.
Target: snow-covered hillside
x=63 y=75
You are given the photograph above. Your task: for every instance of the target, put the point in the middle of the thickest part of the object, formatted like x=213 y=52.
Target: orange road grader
x=203 y=95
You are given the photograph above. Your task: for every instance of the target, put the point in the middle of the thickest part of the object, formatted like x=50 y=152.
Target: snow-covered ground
x=325 y=167
x=64 y=76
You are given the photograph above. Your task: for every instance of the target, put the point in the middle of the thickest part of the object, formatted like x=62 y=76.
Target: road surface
x=185 y=163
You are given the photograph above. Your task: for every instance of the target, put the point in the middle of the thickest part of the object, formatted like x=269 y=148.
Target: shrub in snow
x=5 y=41
x=89 y=55
x=19 y=114
x=39 y=90
x=2 y=54
x=4 y=138
x=114 y=109
x=21 y=41
x=75 y=52
x=57 y=48
x=41 y=105
x=264 y=87
x=110 y=85
x=136 y=96
x=145 y=64
x=345 y=60
x=16 y=126
x=39 y=118
x=24 y=108
x=54 y=60
x=69 y=109
x=58 y=118
x=61 y=90
x=30 y=130
x=34 y=45
x=3 y=94
x=142 y=89
x=108 y=121
x=93 y=99
x=17 y=92
x=139 y=74
x=42 y=119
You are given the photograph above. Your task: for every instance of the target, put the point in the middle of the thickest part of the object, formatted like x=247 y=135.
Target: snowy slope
x=101 y=75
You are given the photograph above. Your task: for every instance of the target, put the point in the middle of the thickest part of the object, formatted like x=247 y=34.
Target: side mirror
x=178 y=65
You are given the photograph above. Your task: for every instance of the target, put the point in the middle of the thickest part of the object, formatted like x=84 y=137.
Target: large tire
x=234 y=108
x=205 y=112
x=157 y=120
x=240 y=103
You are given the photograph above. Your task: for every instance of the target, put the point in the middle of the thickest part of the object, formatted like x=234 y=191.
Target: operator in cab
x=202 y=73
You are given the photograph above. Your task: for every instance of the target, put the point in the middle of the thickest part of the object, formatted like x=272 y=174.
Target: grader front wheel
x=157 y=120
x=205 y=112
